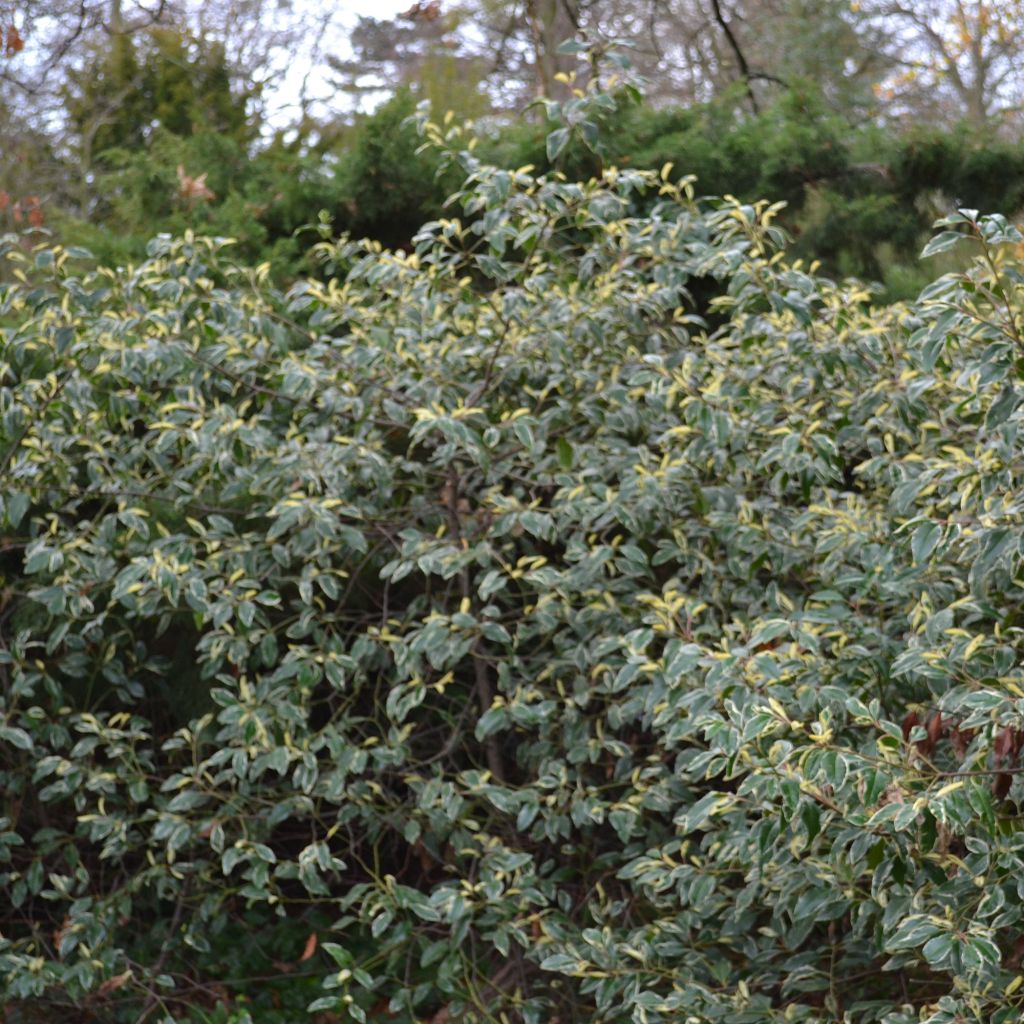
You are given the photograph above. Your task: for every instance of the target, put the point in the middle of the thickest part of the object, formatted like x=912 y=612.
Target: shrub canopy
x=548 y=650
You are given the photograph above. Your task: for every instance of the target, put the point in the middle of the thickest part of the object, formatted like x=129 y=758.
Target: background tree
x=132 y=88
x=687 y=50
x=955 y=59
x=742 y=92
x=161 y=79
x=426 y=49
x=54 y=33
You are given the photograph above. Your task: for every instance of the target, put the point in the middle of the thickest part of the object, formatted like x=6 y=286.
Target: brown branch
x=481 y=672
x=734 y=45
x=541 y=84
x=975 y=773
x=485 y=696
x=153 y=999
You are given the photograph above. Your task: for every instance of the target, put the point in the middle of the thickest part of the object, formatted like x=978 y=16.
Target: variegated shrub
x=585 y=616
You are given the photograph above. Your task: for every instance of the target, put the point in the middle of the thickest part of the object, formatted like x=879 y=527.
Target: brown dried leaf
x=1003 y=745
x=11 y=40
x=191 y=189
x=1001 y=785
x=58 y=935
x=114 y=983
x=961 y=741
x=910 y=719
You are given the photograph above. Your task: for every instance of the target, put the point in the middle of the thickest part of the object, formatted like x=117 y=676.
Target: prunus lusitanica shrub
x=545 y=646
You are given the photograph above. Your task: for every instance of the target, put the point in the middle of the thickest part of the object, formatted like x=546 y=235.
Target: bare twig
x=734 y=45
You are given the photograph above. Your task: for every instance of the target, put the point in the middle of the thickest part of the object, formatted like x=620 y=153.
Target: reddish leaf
x=423 y=11
x=1001 y=785
x=190 y=189
x=11 y=40
x=961 y=740
x=114 y=983
x=910 y=719
x=1003 y=745
x=310 y=948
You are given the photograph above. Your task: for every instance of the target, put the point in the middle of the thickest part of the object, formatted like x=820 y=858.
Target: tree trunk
x=551 y=22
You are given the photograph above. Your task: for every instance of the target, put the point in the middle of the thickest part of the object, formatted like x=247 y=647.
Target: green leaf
x=17 y=504
x=16 y=737
x=924 y=541
x=942 y=242
x=556 y=143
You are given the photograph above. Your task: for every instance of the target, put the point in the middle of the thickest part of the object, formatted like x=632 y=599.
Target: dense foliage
x=369 y=179
x=860 y=200
x=486 y=632
x=248 y=119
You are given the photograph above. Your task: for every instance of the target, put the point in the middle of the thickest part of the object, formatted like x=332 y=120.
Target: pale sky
x=340 y=17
